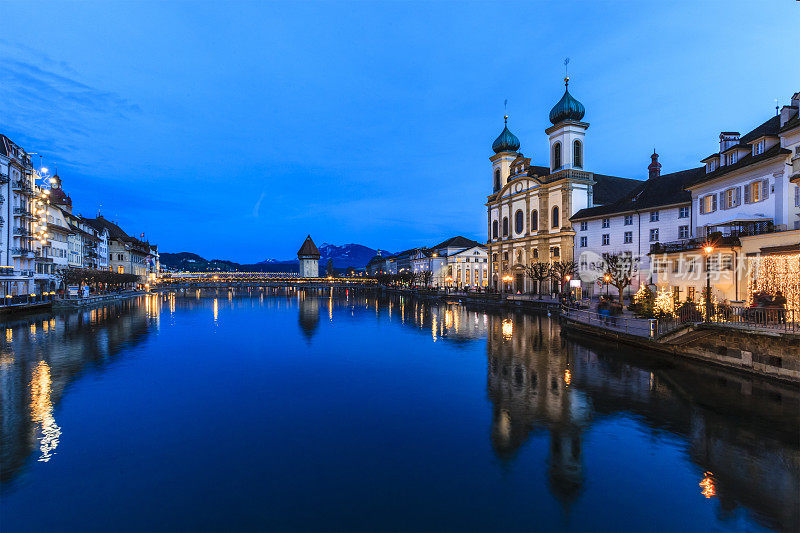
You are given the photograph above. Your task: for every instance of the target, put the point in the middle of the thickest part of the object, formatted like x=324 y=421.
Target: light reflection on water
x=557 y=409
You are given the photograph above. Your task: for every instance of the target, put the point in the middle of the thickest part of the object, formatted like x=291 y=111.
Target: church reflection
x=743 y=435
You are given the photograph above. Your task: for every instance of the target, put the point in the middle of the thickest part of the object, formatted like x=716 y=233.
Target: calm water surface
x=347 y=411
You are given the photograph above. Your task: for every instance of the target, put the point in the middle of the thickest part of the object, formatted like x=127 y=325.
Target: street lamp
x=607 y=279
x=708 y=249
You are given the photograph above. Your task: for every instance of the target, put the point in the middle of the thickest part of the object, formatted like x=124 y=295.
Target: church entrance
x=520 y=282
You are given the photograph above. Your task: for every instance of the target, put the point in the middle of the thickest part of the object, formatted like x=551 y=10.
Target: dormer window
x=732 y=157
x=711 y=166
x=758 y=148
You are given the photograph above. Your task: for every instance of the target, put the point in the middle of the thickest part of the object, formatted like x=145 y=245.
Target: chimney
x=654 y=169
x=728 y=139
x=791 y=110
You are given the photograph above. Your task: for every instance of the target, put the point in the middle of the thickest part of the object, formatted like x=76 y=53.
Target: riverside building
x=529 y=210
x=745 y=209
x=733 y=222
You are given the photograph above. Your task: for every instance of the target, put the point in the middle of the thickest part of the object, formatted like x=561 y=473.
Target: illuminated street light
x=708 y=249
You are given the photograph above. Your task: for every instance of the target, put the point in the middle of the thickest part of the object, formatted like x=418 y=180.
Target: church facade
x=529 y=210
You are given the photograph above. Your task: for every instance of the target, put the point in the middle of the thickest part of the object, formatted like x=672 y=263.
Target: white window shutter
x=765 y=189
x=738 y=196
x=747 y=199
x=713 y=203
x=722 y=200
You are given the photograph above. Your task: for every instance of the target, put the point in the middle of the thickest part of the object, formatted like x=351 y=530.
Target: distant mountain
x=346 y=255
x=193 y=262
x=354 y=255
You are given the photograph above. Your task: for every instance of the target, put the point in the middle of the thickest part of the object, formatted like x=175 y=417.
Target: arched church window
x=577 y=154
x=494 y=229
x=555 y=217
x=497 y=180
x=556 y=156
x=519 y=221
x=534 y=220
x=505 y=226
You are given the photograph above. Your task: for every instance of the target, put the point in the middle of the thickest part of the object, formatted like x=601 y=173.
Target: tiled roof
x=609 y=189
x=769 y=127
x=791 y=123
x=667 y=189
x=308 y=249
x=747 y=159
x=115 y=232
x=456 y=242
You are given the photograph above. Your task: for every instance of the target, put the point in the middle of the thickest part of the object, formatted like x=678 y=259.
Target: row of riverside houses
x=40 y=236
x=457 y=262
x=744 y=203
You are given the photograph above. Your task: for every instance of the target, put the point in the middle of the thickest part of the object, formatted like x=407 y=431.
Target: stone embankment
x=772 y=353
x=74 y=303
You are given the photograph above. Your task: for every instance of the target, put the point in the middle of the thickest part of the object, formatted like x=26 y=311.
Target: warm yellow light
x=708 y=249
x=508 y=328
x=709 y=490
x=607 y=277
x=568 y=277
x=567 y=376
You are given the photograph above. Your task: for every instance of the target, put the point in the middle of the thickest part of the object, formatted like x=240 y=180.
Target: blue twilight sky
x=233 y=129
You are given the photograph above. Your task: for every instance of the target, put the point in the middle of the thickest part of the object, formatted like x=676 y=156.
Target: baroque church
x=530 y=205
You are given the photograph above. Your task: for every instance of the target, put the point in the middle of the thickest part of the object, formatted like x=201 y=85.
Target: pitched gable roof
x=456 y=242
x=609 y=189
x=667 y=189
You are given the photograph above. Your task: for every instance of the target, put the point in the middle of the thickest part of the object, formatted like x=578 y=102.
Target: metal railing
x=641 y=327
x=22 y=251
x=763 y=318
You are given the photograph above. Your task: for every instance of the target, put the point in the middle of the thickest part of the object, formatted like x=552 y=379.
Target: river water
x=292 y=410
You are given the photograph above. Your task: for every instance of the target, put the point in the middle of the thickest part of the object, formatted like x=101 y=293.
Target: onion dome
x=506 y=141
x=567 y=108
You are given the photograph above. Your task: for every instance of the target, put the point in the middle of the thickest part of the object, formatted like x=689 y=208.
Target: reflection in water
x=308 y=313
x=41 y=355
x=42 y=410
x=538 y=381
x=738 y=434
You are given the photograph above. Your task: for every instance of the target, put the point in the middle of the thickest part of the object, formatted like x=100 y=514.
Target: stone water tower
x=308 y=255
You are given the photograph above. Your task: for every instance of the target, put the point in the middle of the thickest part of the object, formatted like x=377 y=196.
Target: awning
x=741 y=218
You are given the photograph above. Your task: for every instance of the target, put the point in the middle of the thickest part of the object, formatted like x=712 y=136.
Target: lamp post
x=566 y=284
x=708 y=249
x=507 y=279
x=607 y=279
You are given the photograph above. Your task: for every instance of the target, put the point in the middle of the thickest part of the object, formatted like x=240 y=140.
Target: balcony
x=23 y=232
x=22 y=186
x=691 y=245
x=22 y=252
x=22 y=212
x=739 y=229
x=3 y=179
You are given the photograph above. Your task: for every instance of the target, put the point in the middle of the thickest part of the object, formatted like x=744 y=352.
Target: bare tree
x=426 y=276
x=618 y=271
x=538 y=272
x=562 y=269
